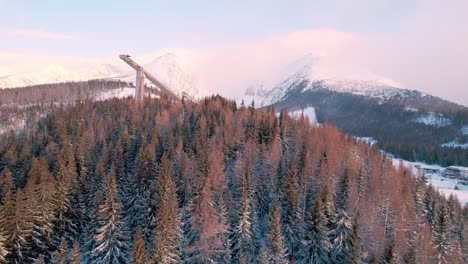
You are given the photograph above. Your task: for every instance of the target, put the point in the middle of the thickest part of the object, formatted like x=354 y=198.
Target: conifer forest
x=211 y=182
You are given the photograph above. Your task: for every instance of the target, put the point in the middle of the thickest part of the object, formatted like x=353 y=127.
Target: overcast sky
x=422 y=44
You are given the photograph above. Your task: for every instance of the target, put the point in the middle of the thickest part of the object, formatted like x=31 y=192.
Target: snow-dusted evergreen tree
x=442 y=239
x=138 y=255
x=140 y=200
x=291 y=217
x=317 y=247
x=242 y=239
x=223 y=254
x=390 y=256
x=3 y=250
x=19 y=228
x=94 y=197
x=41 y=185
x=60 y=255
x=341 y=235
x=75 y=257
x=40 y=260
x=166 y=242
x=202 y=240
x=263 y=257
x=111 y=239
x=277 y=252
x=65 y=219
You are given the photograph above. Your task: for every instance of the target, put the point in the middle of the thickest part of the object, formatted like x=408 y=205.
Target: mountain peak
x=319 y=72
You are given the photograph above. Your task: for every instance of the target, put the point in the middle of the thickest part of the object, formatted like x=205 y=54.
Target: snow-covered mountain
x=168 y=67
x=311 y=73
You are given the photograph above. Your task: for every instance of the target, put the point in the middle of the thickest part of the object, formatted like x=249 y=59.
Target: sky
x=418 y=43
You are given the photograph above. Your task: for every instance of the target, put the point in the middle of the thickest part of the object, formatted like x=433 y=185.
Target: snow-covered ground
x=173 y=68
x=309 y=112
x=314 y=72
x=368 y=140
x=433 y=119
x=410 y=109
x=464 y=130
x=445 y=185
x=455 y=144
x=116 y=93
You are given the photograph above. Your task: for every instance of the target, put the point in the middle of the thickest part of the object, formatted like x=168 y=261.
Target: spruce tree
x=291 y=216
x=168 y=227
x=242 y=240
x=342 y=239
x=110 y=238
x=277 y=251
x=40 y=260
x=318 y=246
x=42 y=214
x=442 y=239
x=3 y=250
x=390 y=255
x=20 y=228
x=75 y=257
x=138 y=255
x=223 y=254
x=60 y=255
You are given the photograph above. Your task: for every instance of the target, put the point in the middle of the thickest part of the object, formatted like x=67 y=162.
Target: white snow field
x=444 y=185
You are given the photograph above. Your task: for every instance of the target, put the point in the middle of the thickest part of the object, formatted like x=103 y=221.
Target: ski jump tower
x=141 y=74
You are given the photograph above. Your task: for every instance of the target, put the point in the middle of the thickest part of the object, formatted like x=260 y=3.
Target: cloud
x=33 y=33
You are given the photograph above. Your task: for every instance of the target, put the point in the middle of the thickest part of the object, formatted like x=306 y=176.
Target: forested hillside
x=208 y=182
x=391 y=123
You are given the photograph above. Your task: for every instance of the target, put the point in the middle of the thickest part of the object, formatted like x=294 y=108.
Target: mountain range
x=411 y=124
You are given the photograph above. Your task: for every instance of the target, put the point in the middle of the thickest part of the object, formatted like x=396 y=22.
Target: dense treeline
x=61 y=93
x=105 y=182
x=389 y=123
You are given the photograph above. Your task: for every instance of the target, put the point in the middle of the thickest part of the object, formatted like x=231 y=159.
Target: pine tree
x=111 y=241
x=275 y=241
x=168 y=227
x=138 y=255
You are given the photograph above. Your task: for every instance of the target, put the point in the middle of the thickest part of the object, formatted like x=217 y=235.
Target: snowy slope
x=455 y=144
x=55 y=73
x=168 y=66
x=308 y=112
x=433 y=119
x=314 y=74
x=173 y=71
x=464 y=130
x=444 y=185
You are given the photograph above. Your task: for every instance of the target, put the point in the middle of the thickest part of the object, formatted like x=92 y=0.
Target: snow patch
x=445 y=185
x=309 y=112
x=434 y=119
x=314 y=73
x=455 y=144
x=368 y=140
x=409 y=109
x=116 y=93
x=464 y=130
